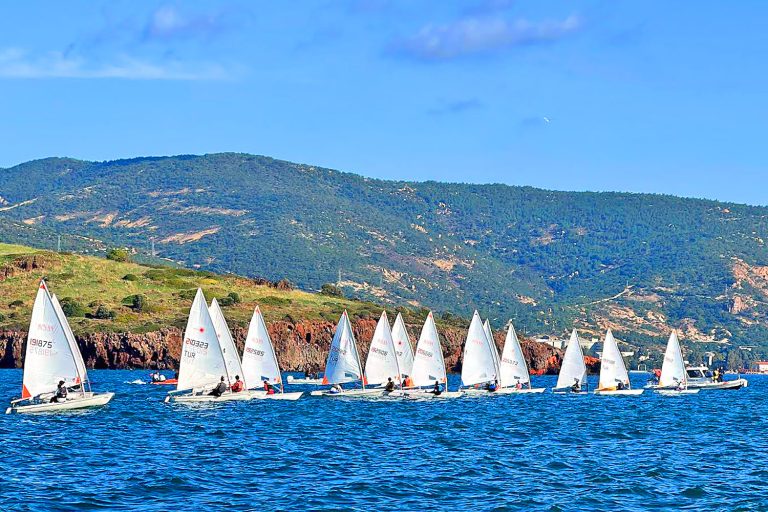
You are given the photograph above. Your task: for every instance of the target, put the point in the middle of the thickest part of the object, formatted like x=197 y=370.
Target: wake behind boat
x=55 y=378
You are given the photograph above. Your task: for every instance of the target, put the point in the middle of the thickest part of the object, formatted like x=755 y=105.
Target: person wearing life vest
x=220 y=388
x=492 y=386
x=518 y=385
x=237 y=386
x=269 y=388
x=408 y=382
x=576 y=387
x=61 y=393
x=438 y=389
x=390 y=385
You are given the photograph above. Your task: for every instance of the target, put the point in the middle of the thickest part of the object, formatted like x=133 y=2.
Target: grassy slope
x=92 y=280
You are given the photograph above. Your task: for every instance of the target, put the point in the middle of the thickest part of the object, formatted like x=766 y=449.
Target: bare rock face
x=300 y=346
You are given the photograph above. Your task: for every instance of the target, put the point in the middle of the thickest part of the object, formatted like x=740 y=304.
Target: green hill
x=639 y=263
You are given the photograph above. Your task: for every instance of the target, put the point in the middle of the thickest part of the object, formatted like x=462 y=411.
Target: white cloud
x=17 y=63
x=471 y=36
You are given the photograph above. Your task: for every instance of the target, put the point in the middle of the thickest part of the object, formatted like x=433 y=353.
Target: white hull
x=424 y=394
x=727 y=384
x=620 y=392
x=569 y=391
x=262 y=395
x=81 y=402
x=501 y=391
x=205 y=397
x=303 y=382
x=672 y=392
x=349 y=393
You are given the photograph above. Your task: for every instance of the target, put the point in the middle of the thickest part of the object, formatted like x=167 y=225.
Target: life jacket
x=237 y=386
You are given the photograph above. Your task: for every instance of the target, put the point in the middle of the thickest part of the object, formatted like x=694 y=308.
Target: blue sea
x=526 y=452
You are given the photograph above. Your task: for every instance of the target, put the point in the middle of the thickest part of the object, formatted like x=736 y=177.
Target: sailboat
x=429 y=365
x=343 y=363
x=204 y=359
x=52 y=355
x=260 y=362
x=573 y=371
x=227 y=344
x=382 y=363
x=513 y=368
x=403 y=348
x=480 y=365
x=614 y=379
x=673 y=379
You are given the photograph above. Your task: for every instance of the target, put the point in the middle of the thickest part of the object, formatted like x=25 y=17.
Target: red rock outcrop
x=299 y=345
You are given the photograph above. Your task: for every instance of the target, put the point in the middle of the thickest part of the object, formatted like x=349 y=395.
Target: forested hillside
x=636 y=262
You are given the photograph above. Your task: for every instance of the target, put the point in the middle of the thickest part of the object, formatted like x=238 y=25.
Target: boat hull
x=673 y=392
x=166 y=382
x=424 y=394
x=349 y=393
x=204 y=397
x=726 y=384
x=89 y=400
x=501 y=391
x=619 y=392
x=262 y=395
x=303 y=382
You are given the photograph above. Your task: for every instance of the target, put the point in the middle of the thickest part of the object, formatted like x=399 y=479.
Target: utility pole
x=152 y=245
x=58 y=244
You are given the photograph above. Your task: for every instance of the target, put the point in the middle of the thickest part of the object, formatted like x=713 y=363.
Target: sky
x=653 y=96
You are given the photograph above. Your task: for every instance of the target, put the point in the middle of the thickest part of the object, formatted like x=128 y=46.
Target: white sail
x=227 y=343
x=494 y=350
x=478 y=365
x=428 y=362
x=403 y=347
x=202 y=362
x=72 y=341
x=343 y=364
x=49 y=357
x=612 y=369
x=513 y=367
x=382 y=364
x=573 y=368
x=259 y=359
x=673 y=368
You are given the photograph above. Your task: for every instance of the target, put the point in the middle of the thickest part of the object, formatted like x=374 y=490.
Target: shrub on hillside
x=71 y=307
x=130 y=277
x=16 y=304
x=118 y=255
x=104 y=313
x=331 y=290
x=137 y=302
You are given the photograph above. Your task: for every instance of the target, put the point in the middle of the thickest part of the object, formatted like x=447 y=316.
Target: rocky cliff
x=299 y=346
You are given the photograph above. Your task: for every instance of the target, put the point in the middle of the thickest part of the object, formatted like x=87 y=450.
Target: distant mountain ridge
x=639 y=263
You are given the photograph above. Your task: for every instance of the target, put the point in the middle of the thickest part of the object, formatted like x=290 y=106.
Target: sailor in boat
x=269 y=388
x=158 y=377
x=220 y=388
x=620 y=386
x=518 y=386
x=438 y=389
x=237 y=386
x=408 y=382
x=61 y=393
x=492 y=386
x=390 y=385
x=576 y=388
x=336 y=389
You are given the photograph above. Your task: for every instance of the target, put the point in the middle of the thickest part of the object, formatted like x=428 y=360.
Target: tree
x=331 y=290
x=118 y=255
x=104 y=313
x=71 y=307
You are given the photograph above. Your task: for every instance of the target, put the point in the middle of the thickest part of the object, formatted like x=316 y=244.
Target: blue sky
x=647 y=96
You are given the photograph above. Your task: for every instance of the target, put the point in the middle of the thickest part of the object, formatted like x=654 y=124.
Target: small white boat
x=479 y=366
x=614 y=379
x=383 y=365
x=207 y=356
x=700 y=377
x=403 y=349
x=673 y=379
x=573 y=371
x=343 y=365
x=513 y=368
x=303 y=381
x=52 y=356
x=260 y=362
x=428 y=366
